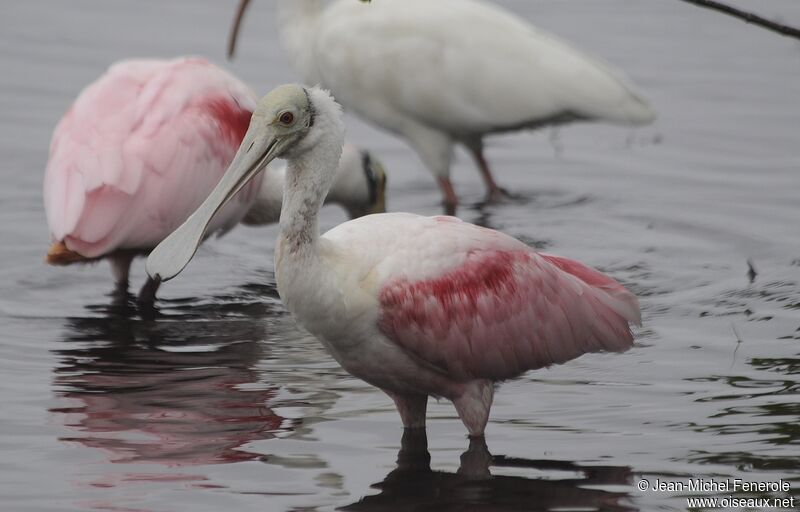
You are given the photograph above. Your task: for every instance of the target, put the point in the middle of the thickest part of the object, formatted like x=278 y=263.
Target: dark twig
x=749 y=17
x=752 y=273
x=738 y=343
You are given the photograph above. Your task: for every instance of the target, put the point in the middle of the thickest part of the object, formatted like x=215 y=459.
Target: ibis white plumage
x=416 y=306
x=441 y=72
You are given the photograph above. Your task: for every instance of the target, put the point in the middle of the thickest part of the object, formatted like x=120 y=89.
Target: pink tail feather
x=615 y=296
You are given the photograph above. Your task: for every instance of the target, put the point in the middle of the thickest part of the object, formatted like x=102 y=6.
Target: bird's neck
x=298 y=24
x=308 y=179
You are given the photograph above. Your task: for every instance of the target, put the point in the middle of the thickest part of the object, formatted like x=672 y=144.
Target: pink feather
x=488 y=307
x=140 y=149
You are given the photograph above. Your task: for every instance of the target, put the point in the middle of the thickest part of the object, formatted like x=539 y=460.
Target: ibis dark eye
x=286 y=118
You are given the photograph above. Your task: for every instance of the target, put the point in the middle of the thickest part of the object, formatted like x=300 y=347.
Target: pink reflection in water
x=154 y=403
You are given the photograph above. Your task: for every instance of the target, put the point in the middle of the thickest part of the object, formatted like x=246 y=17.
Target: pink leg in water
x=450 y=199
x=121 y=268
x=474 y=404
x=412 y=408
x=493 y=191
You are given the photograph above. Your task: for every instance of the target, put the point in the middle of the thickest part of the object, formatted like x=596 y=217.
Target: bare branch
x=749 y=17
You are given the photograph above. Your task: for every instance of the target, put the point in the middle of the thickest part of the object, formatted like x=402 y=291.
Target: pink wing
x=499 y=312
x=140 y=149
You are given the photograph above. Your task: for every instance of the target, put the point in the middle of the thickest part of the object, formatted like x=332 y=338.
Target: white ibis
x=441 y=72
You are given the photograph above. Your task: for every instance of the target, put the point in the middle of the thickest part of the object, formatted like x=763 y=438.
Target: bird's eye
x=286 y=118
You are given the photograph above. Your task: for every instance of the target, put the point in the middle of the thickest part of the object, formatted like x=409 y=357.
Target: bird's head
x=281 y=120
x=287 y=123
x=360 y=185
x=376 y=184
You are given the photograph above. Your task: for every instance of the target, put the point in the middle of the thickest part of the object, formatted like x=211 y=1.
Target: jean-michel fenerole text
x=719 y=485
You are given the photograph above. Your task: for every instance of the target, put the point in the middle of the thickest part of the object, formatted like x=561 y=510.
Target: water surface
x=221 y=402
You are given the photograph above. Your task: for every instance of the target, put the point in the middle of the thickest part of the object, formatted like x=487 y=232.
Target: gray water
x=221 y=403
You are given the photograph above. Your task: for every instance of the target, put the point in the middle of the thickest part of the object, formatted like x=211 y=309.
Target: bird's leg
x=435 y=149
x=412 y=408
x=449 y=193
x=121 y=269
x=413 y=454
x=147 y=295
x=493 y=191
x=474 y=404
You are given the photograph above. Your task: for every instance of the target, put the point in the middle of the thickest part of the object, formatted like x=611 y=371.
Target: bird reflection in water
x=413 y=485
x=179 y=392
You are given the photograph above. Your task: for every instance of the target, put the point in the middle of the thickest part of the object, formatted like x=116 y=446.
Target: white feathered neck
x=311 y=170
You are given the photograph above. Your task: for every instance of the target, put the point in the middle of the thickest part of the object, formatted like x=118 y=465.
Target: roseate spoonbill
x=442 y=72
x=143 y=146
x=414 y=305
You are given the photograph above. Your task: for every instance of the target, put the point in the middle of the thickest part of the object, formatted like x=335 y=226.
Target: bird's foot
x=500 y=195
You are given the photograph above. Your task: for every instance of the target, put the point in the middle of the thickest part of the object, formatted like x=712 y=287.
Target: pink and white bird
x=143 y=146
x=416 y=306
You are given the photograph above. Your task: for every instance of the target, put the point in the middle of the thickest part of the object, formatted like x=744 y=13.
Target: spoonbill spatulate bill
x=441 y=72
x=143 y=146
x=417 y=306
